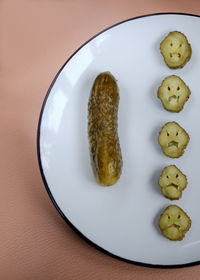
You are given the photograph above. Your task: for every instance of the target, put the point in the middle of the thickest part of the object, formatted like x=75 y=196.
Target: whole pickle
x=105 y=152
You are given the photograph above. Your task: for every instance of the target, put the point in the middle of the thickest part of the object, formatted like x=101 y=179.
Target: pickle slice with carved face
x=172 y=182
x=175 y=49
x=174 y=223
x=173 y=93
x=173 y=139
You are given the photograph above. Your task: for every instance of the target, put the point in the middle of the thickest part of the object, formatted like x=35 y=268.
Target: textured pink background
x=36 y=38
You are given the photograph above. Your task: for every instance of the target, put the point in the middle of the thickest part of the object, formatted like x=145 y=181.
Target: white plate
x=122 y=220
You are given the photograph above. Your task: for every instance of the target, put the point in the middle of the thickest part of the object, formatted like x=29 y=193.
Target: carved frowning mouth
x=174 y=97
x=175 y=54
x=172 y=185
x=174 y=225
x=172 y=143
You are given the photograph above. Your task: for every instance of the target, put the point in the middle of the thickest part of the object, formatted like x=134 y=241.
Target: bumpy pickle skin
x=173 y=139
x=172 y=182
x=174 y=223
x=173 y=93
x=175 y=49
x=105 y=151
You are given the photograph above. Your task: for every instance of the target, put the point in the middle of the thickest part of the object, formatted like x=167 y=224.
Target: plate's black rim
x=41 y=168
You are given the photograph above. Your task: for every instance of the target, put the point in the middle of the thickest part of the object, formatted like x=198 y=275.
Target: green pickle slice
x=172 y=182
x=173 y=93
x=175 y=49
x=173 y=139
x=174 y=223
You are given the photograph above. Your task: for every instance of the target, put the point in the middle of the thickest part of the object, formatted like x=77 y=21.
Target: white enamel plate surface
x=123 y=219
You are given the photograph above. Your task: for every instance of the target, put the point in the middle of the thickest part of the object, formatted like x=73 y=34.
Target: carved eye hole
x=178 y=88
x=176 y=175
x=176 y=133
x=167 y=133
x=180 y=45
x=168 y=88
x=171 y=44
x=179 y=216
x=168 y=217
x=167 y=176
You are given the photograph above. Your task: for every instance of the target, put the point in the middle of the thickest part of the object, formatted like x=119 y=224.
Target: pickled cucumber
x=105 y=151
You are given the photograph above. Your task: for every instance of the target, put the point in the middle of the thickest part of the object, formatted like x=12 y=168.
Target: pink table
x=36 y=39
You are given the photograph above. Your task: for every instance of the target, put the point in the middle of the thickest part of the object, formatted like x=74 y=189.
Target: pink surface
x=36 y=38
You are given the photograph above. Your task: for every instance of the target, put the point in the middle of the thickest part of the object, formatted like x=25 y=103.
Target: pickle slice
x=173 y=139
x=175 y=49
x=173 y=93
x=174 y=223
x=172 y=182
